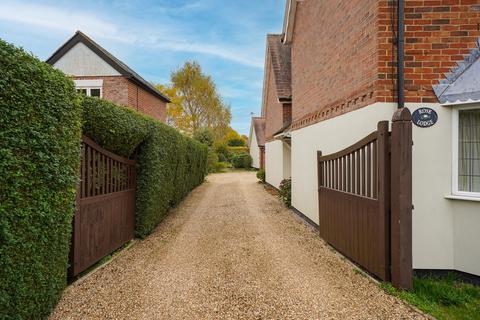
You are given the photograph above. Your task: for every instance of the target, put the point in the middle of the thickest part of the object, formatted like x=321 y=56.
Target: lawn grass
x=445 y=298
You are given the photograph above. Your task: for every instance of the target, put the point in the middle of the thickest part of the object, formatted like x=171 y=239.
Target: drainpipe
x=401 y=53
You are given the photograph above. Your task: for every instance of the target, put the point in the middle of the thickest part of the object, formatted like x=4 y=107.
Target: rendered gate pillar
x=401 y=200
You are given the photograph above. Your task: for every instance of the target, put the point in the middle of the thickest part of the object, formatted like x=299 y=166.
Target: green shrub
x=212 y=160
x=285 y=192
x=169 y=164
x=232 y=151
x=236 y=142
x=221 y=157
x=40 y=129
x=221 y=149
x=204 y=136
x=221 y=166
x=242 y=160
x=261 y=175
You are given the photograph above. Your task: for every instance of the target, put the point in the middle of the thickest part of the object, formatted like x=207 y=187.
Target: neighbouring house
x=256 y=142
x=96 y=72
x=277 y=109
x=343 y=82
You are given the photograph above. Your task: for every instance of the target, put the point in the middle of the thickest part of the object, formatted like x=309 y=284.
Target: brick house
x=98 y=73
x=256 y=142
x=277 y=108
x=343 y=81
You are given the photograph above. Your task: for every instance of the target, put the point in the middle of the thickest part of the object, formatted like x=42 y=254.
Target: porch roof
x=462 y=84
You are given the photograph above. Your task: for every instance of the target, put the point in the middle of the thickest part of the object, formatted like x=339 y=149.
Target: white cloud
x=65 y=20
x=54 y=18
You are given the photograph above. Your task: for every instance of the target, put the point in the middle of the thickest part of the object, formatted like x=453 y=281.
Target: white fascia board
x=458 y=103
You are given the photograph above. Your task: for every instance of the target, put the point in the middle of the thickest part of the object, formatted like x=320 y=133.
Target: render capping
x=462 y=83
x=118 y=65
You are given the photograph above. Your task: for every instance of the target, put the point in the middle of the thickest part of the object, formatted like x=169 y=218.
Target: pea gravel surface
x=230 y=250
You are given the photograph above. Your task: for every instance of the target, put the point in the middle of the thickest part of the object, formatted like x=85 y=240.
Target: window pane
x=469 y=150
x=82 y=91
x=95 y=92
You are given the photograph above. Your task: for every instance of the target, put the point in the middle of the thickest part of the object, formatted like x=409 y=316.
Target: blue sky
x=227 y=37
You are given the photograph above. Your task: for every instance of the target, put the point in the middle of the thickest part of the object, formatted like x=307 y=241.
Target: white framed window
x=466 y=152
x=91 y=88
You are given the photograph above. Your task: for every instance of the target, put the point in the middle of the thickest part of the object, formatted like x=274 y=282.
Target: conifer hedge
x=41 y=123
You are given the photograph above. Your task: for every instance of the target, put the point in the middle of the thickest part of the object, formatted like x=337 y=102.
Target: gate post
x=401 y=200
x=383 y=194
x=319 y=185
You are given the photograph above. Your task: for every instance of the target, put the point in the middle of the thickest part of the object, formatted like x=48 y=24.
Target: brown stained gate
x=105 y=216
x=365 y=201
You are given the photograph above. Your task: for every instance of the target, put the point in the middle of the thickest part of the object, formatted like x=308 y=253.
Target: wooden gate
x=105 y=216
x=357 y=187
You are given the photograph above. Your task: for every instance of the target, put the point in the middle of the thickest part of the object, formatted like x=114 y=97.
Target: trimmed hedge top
x=40 y=134
x=169 y=164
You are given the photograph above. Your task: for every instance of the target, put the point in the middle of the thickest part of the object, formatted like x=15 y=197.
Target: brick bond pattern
x=344 y=54
x=120 y=90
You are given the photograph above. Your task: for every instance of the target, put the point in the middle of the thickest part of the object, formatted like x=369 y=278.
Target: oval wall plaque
x=424 y=117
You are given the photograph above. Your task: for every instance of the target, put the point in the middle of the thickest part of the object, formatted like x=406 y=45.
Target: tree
x=236 y=142
x=196 y=104
x=234 y=139
x=204 y=136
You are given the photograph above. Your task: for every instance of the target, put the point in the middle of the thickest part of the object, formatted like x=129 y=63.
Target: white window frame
x=465 y=195
x=89 y=85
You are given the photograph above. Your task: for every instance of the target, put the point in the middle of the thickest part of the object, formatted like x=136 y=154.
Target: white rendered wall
x=274 y=162
x=254 y=150
x=445 y=232
x=81 y=61
x=287 y=161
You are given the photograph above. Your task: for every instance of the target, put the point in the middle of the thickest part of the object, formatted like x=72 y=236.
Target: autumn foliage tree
x=196 y=104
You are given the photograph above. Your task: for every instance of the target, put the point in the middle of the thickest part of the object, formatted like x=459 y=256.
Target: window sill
x=465 y=198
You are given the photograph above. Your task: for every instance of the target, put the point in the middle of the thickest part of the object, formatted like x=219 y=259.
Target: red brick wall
x=287 y=113
x=146 y=103
x=122 y=91
x=334 y=54
x=115 y=88
x=438 y=34
x=273 y=109
x=344 y=54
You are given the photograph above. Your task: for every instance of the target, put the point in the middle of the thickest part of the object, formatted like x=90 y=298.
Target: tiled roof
x=121 y=67
x=259 y=127
x=281 y=57
x=462 y=84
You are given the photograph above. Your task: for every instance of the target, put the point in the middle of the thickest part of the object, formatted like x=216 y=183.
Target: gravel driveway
x=229 y=251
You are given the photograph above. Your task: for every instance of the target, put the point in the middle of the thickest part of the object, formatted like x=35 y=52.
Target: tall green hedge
x=169 y=164
x=40 y=128
x=41 y=122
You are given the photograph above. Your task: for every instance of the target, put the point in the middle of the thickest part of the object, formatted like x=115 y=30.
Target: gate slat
x=369 y=170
